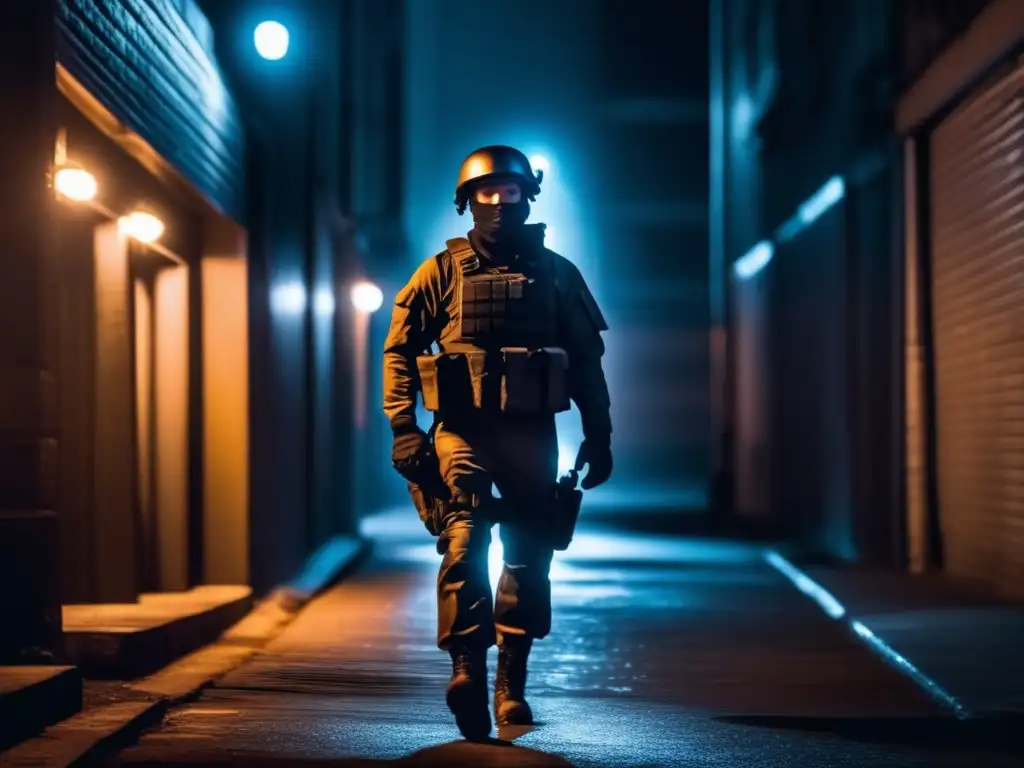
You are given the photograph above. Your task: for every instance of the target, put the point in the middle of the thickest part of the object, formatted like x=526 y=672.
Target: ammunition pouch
x=510 y=380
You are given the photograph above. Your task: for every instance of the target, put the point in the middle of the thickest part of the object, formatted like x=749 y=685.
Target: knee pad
x=464 y=529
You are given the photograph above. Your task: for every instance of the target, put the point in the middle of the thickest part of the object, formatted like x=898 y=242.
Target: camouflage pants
x=520 y=457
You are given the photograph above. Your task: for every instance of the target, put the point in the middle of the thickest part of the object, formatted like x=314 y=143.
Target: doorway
x=160 y=331
x=124 y=415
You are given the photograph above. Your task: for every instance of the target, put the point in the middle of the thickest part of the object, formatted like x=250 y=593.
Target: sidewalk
x=664 y=652
x=968 y=646
x=115 y=711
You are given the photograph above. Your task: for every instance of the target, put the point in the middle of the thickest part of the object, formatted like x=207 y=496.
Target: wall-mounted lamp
x=75 y=184
x=366 y=297
x=143 y=226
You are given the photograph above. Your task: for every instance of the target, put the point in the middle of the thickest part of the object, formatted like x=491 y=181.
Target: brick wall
x=150 y=62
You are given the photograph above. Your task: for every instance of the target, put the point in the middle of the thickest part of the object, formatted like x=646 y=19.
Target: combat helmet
x=496 y=162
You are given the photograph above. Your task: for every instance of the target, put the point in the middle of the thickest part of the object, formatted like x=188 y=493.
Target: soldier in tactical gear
x=520 y=337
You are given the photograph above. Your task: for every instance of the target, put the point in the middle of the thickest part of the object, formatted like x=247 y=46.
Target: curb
x=91 y=734
x=81 y=739
x=835 y=610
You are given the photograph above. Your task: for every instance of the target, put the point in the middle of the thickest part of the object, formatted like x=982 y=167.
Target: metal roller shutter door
x=977 y=209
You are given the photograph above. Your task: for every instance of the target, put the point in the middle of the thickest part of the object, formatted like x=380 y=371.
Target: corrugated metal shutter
x=977 y=209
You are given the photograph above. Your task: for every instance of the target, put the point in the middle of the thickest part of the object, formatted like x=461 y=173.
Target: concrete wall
x=653 y=114
x=795 y=115
x=291 y=109
x=323 y=177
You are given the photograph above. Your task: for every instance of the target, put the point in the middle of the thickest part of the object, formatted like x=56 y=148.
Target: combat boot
x=467 y=693
x=510 y=707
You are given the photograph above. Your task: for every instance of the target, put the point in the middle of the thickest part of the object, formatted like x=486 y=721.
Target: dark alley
x=596 y=383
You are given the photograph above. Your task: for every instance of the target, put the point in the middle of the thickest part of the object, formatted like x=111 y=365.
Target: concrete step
x=126 y=641
x=32 y=698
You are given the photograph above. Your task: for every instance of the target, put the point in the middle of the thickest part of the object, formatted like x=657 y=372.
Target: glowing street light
x=271 y=39
x=540 y=163
x=75 y=184
x=366 y=297
x=142 y=226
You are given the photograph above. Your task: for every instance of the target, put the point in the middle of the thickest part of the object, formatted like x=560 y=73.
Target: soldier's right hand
x=409 y=452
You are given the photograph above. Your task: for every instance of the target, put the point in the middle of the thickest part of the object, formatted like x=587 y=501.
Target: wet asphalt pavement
x=663 y=653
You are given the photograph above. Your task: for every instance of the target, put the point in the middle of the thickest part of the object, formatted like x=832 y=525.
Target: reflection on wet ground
x=663 y=653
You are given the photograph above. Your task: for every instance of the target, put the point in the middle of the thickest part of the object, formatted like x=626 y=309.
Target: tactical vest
x=503 y=357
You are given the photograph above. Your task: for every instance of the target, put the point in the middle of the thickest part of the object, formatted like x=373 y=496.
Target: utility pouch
x=512 y=380
x=568 y=501
x=535 y=381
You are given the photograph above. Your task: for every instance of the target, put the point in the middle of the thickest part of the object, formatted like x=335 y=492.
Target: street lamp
x=271 y=39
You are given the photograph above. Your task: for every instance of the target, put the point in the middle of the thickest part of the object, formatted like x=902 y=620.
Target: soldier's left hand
x=597 y=456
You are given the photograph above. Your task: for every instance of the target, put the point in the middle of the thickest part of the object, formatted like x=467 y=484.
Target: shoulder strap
x=463 y=254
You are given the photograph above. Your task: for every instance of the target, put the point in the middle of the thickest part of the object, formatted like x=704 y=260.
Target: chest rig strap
x=464 y=255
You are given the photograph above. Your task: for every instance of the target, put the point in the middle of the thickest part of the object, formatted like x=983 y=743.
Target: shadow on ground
x=457 y=753
x=999 y=733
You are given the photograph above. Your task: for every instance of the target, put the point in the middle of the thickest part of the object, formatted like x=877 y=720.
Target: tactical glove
x=410 y=453
x=597 y=456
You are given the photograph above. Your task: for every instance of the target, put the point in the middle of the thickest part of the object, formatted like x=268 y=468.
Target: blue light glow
x=288 y=298
x=903 y=664
x=816 y=206
x=566 y=457
x=540 y=163
x=754 y=260
x=495 y=562
x=271 y=39
x=836 y=610
x=822 y=200
x=323 y=302
x=807 y=585
x=789 y=229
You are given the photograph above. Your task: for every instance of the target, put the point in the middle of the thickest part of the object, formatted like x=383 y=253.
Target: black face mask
x=500 y=222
